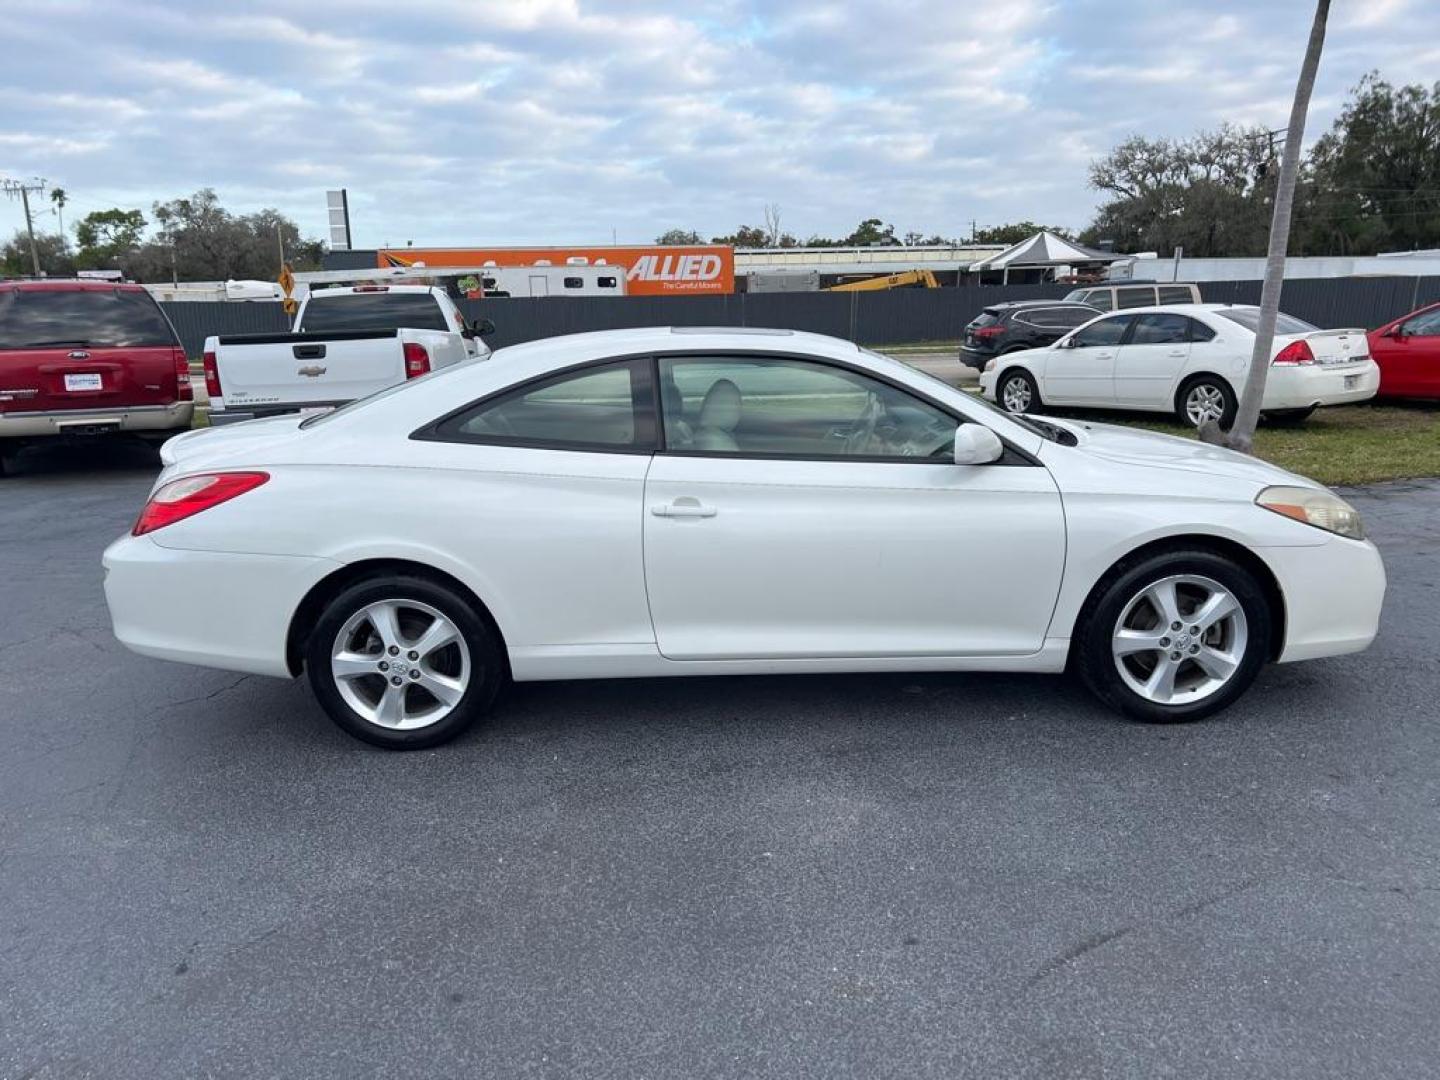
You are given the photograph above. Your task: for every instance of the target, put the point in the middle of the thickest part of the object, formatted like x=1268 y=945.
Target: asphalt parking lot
x=931 y=876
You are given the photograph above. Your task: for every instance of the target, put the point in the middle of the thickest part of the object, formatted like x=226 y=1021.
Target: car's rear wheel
x=403 y=662
x=1206 y=397
x=1017 y=392
x=1176 y=636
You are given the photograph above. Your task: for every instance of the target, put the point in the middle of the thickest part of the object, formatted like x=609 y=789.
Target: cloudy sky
x=553 y=121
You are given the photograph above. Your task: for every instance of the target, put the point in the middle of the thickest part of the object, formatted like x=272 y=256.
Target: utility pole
x=23 y=189
x=1242 y=433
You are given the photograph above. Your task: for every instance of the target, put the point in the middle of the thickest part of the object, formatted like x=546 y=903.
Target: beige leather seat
x=719 y=414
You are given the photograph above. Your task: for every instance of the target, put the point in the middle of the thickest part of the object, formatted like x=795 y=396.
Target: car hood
x=204 y=445
x=1135 y=446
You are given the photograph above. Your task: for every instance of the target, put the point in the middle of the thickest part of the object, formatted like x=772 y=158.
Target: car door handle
x=683 y=508
x=1177 y=352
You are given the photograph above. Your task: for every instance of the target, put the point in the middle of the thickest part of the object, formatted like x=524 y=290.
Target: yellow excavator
x=924 y=279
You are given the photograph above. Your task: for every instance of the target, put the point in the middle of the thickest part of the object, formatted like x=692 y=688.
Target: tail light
x=186 y=497
x=183 y=390
x=212 y=376
x=417 y=360
x=1294 y=354
x=989 y=331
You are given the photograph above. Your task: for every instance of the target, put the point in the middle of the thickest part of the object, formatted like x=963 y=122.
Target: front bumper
x=135 y=418
x=215 y=609
x=987 y=385
x=1302 y=386
x=1333 y=596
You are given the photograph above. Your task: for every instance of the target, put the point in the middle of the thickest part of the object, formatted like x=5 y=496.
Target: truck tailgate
x=307 y=369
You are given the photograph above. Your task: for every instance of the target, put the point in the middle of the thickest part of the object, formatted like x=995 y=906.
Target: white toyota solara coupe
x=716 y=501
x=1187 y=359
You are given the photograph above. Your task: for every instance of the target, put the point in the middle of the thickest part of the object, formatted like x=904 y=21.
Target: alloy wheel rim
x=400 y=664
x=1016 y=395
x=1204 y=402
x=1180 y=639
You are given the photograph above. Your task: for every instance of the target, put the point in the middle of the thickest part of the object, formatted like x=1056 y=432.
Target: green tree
x=55 y=261
x=679 y=236
x=1015 y=232
x=747 y=236
x=199 y=240
x=870 y=232
x=1208 y=194
x=1373 y=182
x=107 y=238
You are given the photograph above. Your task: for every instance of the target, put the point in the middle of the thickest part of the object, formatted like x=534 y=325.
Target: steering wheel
x=861 y=432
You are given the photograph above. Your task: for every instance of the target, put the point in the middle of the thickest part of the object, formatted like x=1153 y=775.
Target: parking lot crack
x=1064 y=959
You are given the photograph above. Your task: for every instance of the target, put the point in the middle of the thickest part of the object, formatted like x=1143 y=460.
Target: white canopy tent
x=1042 y=252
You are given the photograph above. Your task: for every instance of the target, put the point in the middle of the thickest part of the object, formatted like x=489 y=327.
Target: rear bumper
x=975 y=358
x=135 y=418
x=1301 y=387
x=215 y=609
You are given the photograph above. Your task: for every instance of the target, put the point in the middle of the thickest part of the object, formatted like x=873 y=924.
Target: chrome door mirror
x=976 y=444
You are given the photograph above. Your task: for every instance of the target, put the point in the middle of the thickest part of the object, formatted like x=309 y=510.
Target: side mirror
x=976 y=444
x=484 y=327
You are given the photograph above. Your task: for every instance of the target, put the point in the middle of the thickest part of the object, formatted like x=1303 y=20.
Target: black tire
x=487 y=668
x=1093 y=657
x=1285 y=417
x=1214 y=383
x=1031 y=391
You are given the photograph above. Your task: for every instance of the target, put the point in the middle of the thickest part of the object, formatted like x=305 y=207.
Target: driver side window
x=783 y=407
x=1102 y=332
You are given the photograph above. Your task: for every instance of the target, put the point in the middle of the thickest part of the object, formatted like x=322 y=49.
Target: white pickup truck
x=347 y=343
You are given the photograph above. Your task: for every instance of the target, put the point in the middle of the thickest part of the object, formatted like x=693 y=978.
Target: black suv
x=1022 y=324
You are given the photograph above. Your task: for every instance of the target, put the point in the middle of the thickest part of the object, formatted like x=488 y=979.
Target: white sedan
x=708 y=502
x=1187 y=359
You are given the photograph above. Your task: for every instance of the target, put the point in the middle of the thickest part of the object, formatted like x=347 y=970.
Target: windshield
x=1036 y=427
x=372 y=311
x=94 y=318
x=1249 y=318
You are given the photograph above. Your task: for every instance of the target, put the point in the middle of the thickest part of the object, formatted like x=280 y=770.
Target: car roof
x=1137 y=282
x=673 y=339
x=68 y=285
x=1012 y=305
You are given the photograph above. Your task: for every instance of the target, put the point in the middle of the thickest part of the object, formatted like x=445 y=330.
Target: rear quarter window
x=1135 y=296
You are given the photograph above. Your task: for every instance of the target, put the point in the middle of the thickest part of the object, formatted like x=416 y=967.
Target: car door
x=543 y=488
x=1149 y=363
x=1080 y=370
x=1409 y=356
x=801 y=508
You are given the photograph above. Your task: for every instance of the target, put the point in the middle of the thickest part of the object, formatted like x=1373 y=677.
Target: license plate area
x=88 y=427
x=1352 y=381
x=80 y=381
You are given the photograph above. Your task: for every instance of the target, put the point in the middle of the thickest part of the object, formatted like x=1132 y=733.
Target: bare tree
x=772 y=225
x=1242 y=433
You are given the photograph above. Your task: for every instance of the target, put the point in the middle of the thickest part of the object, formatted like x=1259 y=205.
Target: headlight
x=1314 y=506
x=990 y=364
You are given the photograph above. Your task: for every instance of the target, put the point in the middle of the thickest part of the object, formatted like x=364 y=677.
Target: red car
x=88 y=358
x=1408 y=352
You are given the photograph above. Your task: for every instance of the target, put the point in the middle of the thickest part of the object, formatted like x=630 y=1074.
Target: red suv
x=1408 y=352
x=88 y=358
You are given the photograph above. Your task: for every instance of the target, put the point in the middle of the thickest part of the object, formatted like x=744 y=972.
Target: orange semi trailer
x=651 y=270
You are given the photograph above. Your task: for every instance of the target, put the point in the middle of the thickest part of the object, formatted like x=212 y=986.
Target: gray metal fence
x=896 y=317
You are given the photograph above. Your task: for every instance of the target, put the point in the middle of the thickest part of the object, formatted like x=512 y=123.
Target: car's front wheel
x=1017 y=392
x=1176 y=636
x=403 y=662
